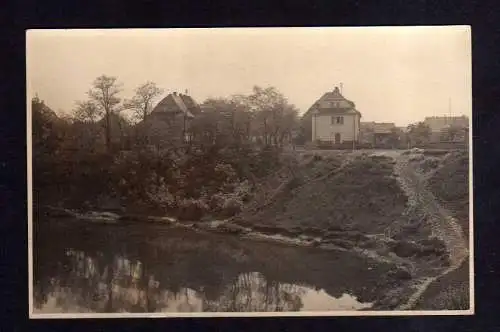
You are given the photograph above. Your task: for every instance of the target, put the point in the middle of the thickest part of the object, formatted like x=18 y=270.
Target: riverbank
x=380 y=219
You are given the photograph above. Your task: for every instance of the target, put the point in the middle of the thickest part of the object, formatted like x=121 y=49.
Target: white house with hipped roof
x=334 y=119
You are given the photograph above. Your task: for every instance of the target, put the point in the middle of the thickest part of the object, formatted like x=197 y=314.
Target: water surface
x=110 y=268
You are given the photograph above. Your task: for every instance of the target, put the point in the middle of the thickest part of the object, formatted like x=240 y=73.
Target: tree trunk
x=108 y=131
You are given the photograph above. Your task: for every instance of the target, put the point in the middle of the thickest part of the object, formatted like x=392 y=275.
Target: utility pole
x=354 y=133
x=449 y=111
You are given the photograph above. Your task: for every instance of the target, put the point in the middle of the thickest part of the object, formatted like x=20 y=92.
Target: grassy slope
x=362 y=196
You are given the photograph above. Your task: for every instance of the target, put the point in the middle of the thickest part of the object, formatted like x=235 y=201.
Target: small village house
x=333 y=119
x=169 y=121
x=379 y=134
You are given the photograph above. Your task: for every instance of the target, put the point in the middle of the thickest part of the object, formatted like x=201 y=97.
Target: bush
x=161 y=196
x=191 y=209
x=429 y=164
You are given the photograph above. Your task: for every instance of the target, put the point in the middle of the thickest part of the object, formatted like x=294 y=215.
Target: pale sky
x=393 y=74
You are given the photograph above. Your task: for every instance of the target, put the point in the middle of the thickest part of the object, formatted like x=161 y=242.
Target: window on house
x=337 y=120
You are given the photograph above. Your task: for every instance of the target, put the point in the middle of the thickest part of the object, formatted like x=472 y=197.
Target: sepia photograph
x=217 y=172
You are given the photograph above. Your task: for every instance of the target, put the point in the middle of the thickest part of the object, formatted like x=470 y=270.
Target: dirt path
x=443 y=225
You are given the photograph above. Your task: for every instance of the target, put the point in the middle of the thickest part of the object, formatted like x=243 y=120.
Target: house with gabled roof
x=333 y=119
x=169 y=121
x=192 y=106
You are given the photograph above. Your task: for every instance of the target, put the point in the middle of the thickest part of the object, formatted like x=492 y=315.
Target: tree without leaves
x=142 y=103
x=104 y=93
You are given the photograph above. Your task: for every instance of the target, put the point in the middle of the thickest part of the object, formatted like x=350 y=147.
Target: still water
x=97 y=268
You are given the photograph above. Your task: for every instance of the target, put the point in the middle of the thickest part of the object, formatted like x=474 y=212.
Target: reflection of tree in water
x=252 y=292
x=147 y=272
x=102 y=283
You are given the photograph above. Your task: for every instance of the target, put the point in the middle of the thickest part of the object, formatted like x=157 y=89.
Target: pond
x=81 y=268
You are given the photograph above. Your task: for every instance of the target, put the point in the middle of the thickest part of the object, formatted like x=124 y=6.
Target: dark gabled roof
x=191 y=104
x=173 y=103
x=336 y=96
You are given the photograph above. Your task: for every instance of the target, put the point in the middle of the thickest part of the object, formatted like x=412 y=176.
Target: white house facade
x=334 y=119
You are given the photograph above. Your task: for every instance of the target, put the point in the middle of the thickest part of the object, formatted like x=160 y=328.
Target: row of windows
x=337 y=120
x=331 y=104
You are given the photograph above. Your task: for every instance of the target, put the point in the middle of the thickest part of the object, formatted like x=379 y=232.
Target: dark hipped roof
x=173 y=103
x=191 y=104
x=344 y=106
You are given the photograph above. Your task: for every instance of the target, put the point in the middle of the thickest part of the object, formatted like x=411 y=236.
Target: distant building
x=439 y=126
x=333 y=119
x=377 y=133
x=438 y=123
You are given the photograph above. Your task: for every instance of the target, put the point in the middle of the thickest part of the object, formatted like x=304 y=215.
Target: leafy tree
x=87 y=111
x=224 y=121
x=274 y=118
x=419 y=133
x=142 y=103
x=104 y=94
x=46 y=132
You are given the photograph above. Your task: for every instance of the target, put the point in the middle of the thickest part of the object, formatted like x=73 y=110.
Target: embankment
x=349 y=202
x=444 y=195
